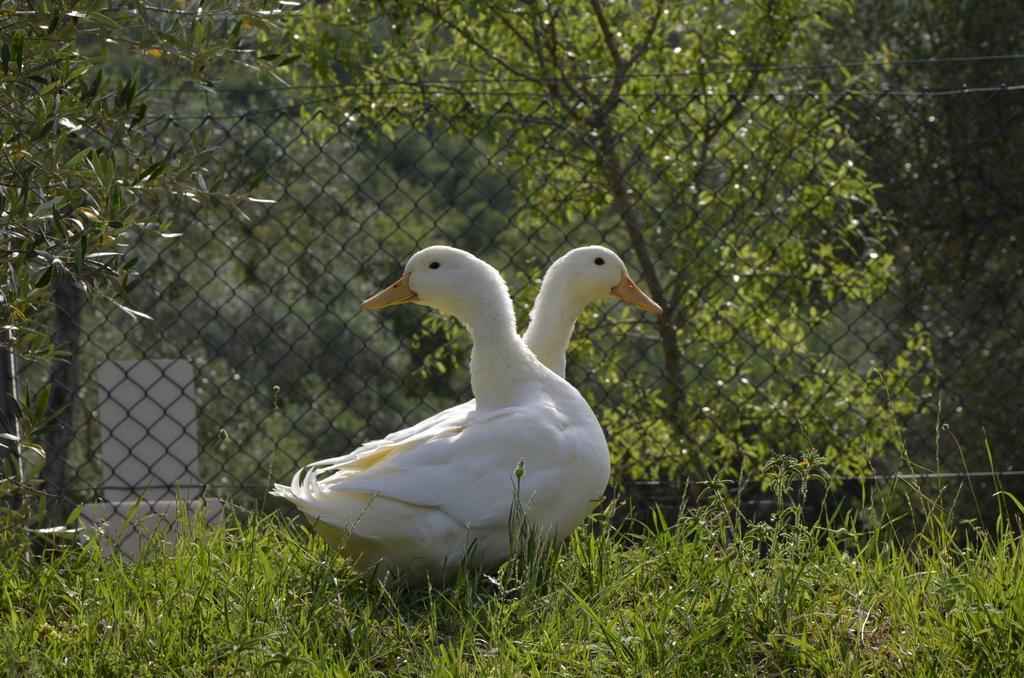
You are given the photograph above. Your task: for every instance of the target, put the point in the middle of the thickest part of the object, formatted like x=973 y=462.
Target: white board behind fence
x=148 y=422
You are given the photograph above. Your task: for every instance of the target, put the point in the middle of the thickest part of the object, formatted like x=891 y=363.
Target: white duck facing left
x=422 y=505
x=576 y=279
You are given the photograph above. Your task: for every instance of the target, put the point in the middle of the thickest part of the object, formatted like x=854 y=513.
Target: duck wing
x=466 y=470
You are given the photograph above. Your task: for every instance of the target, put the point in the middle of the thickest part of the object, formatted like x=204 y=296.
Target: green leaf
x=17 y=49
x=1013 y=498
x=252 y=181
x=136 y=315
x=42 y=401
x=13 y=405
x=26 y=185
x=45 y=278
x=139 y=115
x=76 y=158
x=94 y=88
x=126 y=94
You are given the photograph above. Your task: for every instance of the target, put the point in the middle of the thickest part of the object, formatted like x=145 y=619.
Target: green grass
x=710 y=593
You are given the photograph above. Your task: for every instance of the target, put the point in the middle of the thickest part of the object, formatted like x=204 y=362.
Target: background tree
x=262 y=295
x=954 y=199
x=665 y=130
x=80 y=182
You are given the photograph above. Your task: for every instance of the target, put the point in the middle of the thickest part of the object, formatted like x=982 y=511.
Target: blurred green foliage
x=663 y=130
x=767 y=211
x=80 y=180
x=954 y=203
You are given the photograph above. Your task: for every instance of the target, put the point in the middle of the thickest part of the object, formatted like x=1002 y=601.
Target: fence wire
x=843 y=272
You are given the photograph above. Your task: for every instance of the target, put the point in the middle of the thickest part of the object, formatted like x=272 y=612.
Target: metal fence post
x=8 y=399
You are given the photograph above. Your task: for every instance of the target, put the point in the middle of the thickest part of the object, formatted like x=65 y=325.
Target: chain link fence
x=843 y=270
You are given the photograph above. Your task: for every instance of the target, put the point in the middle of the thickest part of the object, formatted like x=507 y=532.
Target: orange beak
x=398 y=292
x=631 y=294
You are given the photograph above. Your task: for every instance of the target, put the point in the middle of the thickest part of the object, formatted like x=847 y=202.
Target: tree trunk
x=68 y=300
x=666 y=322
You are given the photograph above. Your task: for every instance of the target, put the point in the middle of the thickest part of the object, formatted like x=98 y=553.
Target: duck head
x=451 y=280
x=592 y=273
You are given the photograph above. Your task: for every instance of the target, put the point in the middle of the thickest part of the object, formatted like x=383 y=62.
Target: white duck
x=574 y=281
x=416 y=501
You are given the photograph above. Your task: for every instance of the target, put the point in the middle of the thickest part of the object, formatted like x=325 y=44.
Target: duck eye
x=599 y=261
x=434 y=264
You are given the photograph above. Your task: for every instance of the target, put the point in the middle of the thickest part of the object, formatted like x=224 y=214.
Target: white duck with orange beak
x=425 y=499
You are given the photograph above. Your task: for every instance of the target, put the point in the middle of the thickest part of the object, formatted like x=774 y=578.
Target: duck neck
x=552 y=322
x=500 y=362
